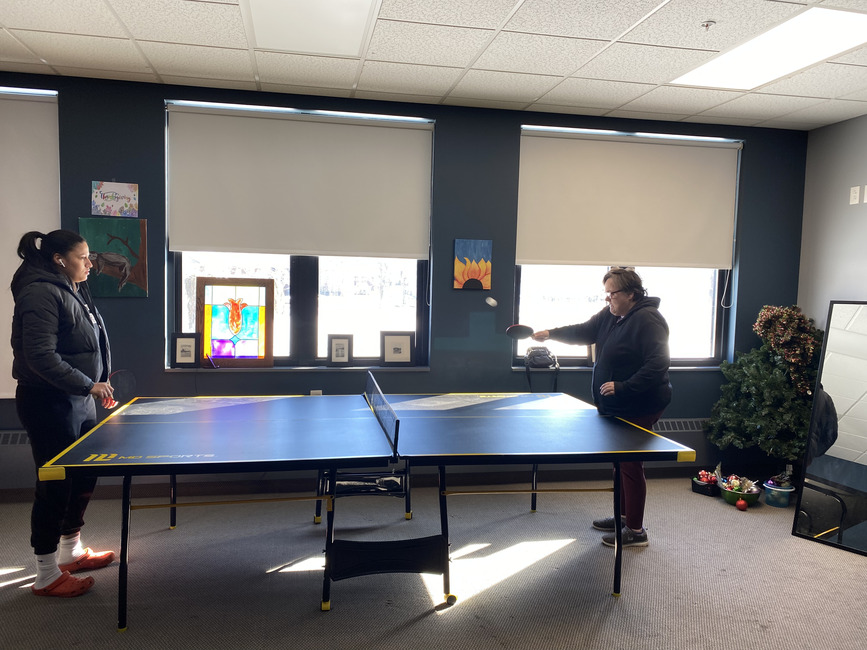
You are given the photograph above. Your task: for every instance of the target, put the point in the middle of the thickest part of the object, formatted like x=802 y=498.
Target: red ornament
x=740 y=504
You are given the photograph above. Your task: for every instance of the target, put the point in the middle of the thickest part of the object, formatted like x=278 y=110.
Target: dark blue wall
x=115 y=130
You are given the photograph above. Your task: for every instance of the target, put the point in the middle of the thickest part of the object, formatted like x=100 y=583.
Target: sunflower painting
x=473 y=264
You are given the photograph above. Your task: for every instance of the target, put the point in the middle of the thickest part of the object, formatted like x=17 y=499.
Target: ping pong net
x=385 y=415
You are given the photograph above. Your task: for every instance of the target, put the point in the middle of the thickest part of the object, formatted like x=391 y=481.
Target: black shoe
x=628 y=538
x=607 y=524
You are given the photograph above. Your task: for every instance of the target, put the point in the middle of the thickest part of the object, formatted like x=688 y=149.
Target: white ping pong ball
x=491 y=301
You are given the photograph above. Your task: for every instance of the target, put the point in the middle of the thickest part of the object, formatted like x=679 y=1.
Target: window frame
x=304 y=316
x=586 y=361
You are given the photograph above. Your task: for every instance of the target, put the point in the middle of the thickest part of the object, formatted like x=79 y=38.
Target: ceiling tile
x=860 y=95
x=594 y=93
x=824 y=80
x=195 y=61
x=485 y=103
x=687 y=100
x=27 y=68
x=209 y=83
x=12 y=50
x=707 y=119
x=396 y=97
x=405 y=78
x=602 y=19
x=679 y=23
x=756 y=105
x=454 y=47
x=642 y=63
x=638 y=115
x=91 y=17
x=306 y=90
x=571 y=110
x=845 y=4
x=486 y=14
x=855 y=57
x=503 y=86
x=304 y=70
x=536 y=54
x=193 y=23
x=125 y=75
x=94 y=52
x=838 y=109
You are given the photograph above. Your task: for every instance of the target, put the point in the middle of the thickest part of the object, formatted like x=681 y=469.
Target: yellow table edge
x=52 y=473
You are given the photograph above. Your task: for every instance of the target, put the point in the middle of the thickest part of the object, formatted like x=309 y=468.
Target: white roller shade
x=29 y=193
x=644 y=201
x=259 y=181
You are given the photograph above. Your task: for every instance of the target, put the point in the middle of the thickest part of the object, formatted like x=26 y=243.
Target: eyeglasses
x=608 y=294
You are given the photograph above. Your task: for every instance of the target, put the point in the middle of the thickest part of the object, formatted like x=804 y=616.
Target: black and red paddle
x=123 y=384
x=519 y=332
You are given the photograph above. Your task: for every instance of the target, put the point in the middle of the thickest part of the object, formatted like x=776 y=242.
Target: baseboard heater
x=679 y=425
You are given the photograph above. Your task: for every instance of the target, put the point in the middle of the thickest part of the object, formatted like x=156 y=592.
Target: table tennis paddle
x=123 y=383
x=519 y=332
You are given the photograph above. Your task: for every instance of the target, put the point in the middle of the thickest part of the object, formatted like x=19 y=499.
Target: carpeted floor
x=250 y=577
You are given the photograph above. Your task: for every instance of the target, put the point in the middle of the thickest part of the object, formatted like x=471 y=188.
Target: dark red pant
x=633 y=485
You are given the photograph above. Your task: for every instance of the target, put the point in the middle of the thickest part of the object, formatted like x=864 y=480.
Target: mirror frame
x=846 y=496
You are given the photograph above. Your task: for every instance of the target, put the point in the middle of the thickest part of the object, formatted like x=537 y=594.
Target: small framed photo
x=397 y=348
x=185 y=350
x=339 y=349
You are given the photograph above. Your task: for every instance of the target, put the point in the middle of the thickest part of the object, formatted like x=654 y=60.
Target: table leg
x=534 y=484
x=173 y=499
x=329 y=542
x=618 y=531
x=451 y=599
x=123 y=571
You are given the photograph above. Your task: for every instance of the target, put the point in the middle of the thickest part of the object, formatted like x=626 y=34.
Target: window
x=556 y=295
x=361 y=296
x=238 y=265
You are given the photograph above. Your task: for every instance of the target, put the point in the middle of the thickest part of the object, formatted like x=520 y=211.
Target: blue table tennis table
x=207 y=435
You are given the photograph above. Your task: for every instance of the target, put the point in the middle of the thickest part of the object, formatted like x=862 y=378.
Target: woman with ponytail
x=61 y=362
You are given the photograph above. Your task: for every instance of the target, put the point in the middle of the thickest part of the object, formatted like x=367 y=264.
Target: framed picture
x=339 y=349
x=185 y=350
x=235 y=317
x=397 y=348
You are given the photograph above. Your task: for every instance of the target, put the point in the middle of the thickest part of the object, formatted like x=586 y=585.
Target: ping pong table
x=206 y=435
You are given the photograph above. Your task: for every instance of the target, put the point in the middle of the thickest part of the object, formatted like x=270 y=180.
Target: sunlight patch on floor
x=472 y=573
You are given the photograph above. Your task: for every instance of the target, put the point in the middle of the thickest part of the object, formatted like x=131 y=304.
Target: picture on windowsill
x=185 y=350
x=339 y=349
x=235 y=317
x=473 y=264
x=398 y=348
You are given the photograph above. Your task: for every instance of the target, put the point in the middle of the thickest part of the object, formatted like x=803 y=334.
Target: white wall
x=834 y=237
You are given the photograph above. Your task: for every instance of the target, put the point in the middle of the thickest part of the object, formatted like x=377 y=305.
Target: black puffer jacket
x=632 y=352
x=54 y=342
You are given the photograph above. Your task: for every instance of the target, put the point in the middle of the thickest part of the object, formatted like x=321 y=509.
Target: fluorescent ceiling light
x=7 y=90
x=329 y=27
x=812 y=36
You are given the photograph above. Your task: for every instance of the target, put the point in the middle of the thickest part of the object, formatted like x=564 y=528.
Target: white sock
x=69 y=548
x=46 y=570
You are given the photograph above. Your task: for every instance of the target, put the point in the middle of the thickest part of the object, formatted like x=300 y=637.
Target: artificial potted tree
x=767 y=400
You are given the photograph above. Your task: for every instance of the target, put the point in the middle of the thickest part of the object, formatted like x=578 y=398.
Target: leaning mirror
x=832 y=505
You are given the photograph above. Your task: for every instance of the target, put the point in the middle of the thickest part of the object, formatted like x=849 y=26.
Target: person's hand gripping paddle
x=519 y=332
x=123 y=385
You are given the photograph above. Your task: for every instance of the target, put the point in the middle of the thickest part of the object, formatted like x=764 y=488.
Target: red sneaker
x=89 y=561
x=66 y=586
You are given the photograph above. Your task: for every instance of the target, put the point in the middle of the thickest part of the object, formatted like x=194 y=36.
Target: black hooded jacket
x=632 y=352
x=55 y=343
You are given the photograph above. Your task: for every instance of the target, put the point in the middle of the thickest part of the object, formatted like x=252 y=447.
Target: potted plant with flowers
x=767 y=401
